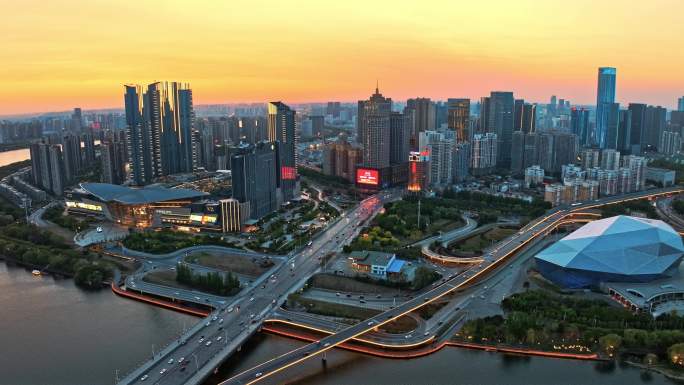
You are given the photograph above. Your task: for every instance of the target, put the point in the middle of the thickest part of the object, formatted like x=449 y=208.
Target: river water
x=52 y=332
x=7 y=157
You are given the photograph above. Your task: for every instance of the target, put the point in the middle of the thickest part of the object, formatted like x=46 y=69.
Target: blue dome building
x=616 y=249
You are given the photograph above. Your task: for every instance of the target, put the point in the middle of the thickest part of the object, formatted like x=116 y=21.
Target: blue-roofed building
x=377 y=264
x=150 y=206
x=616 y=249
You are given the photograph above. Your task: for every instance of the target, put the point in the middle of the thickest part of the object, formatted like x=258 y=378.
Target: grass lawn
x=165 y=278
x=348 y=285
x=233 y=263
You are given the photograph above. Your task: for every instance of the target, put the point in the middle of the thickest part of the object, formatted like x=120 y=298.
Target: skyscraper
x=113 y=159
x=282 y=131
x=500 y=117
x=529 y=118
x=612 y=118
x=579 y=125
x=458 y=118
x=399 y=138
x=605 y=96
x=77 y=120
x=624 y=131
x=680 y=104
x=655 y=123
x=160 y=125
x=255 y=178
x=638 y=129
x=425 y=113
x=483 y=153
x=373 y=121
x=88 y=148
x=71 y=153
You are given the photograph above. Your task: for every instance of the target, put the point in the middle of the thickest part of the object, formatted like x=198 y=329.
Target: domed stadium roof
x=618 y=249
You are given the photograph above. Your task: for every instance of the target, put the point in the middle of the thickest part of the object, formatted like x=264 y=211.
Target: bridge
x=496 y=258
x=205 y=346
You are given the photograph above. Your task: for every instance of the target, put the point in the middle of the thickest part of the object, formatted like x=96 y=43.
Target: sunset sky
x=59 y=54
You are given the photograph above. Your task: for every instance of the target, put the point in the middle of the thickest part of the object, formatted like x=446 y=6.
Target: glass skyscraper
x=605 y=97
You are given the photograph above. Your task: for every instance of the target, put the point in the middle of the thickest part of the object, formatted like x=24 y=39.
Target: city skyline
x=535 y=50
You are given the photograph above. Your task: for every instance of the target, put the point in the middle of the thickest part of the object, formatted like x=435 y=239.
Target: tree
x=676 y=354
x=610 y=343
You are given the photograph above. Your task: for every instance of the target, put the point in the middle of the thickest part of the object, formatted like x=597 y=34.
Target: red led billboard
x=367 y=176
x=288 y=173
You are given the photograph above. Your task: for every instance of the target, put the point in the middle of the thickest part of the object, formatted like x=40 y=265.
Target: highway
x=494 y=259
x=211 y=341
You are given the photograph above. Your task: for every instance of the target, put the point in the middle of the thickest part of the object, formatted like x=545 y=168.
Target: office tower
x=333 y=109
x=373 y=123
x=517 y=151
x=281 y=129
x=88 y=148
x=458 y=118
x=638 y=130
x=71 y=152
x=589 y=158
x=518 y=107
x=113 y=159
x=610 y=159
x=605 y=97
x=160 y=125
x=612 y=127
x=424 y=112
x=47 y=167
x=255 y=177
x=317 y=125
x=56 y=161
x=399 y=138
x=677 y=121
x=624 y=131
x=461 y=161
x=483 y=122
x=77 y=120
x=441 y=114
x=222 y=156
x=483 y=153
x=419 y=171
x=529 y=118
x=552 y=106
x=207 y=146
x=680 y=104
x=500 y=121
x=655 y=123
x=670 y=143
x=440 y=149
x=565 y=149
x=579 y=125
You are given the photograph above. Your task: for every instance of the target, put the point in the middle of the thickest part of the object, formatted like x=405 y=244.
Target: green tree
x=610 y=344
x=675 y=354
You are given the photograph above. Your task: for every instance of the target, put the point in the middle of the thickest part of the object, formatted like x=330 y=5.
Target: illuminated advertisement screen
x=288 y=173
x=367 y=176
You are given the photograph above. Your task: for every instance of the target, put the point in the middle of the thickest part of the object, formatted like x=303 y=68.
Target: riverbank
x=660 y=369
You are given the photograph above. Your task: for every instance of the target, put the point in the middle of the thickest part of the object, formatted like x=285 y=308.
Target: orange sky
x=58 y=54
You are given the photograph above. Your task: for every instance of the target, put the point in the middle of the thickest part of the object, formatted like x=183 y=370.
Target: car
x=230 y=310
x=259 y=374
x=426 y=299
x=326 y=344
x=143 y=378
x=208 y=343
x=221 y=321
x=162 y=371
x=361 y=297
x=251 y=299
x=426 y=334
x=99 y=229
x=214 y=318
x=180 y=360
x=378 y=296
x=348 y=295
x=370 y=323
x=170 y=361
x=208 y=323
x=218 y=338
x=337 y=294
x=408 y=336
x=176 y=293
x=220 y=328
x=198 y=298
x=201 y=340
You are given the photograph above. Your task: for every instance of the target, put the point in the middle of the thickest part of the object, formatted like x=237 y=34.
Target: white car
x=180 y=360
x=99 y=229
x=218 y=338
x=221 y=321
x=170 y=361
x=230 y=309
x=162 y=371
x=143 y=378
x=208 y=343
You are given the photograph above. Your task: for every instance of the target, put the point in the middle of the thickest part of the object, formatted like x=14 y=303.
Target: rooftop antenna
x=376 y=87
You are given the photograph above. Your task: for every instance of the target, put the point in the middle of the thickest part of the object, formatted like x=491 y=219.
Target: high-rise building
x=255 y=178
x=500 y=117
x=605 y=97
x=113 y=159
x=56 y=162
x=234 y=214
x=579 y=125
x=458 y=118
x=610 y=159
x=612 y=120
x=529 y=118
x=160 y=130
x=47 y=167
x=77 y=120
x=670 y=143
x=483 y=153
x=638 y=129
x=624 y=131
x=440 y=150
x=340 y=159
x=281 y=131
x=524 y=151
x=317 y=125
x=637 y=168
x=483 y=122
x=333 y=109
x=461 y=161
x=589 y=158
x=655 y=123
x=400 y=131
x=88 y=148
x=373 y=124
x=424 y=112
x=419 y=171
x=71 y=153
x=680 y=104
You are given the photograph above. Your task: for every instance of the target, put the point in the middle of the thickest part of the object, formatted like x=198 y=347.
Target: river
x=52 y=332
x=7 y=157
